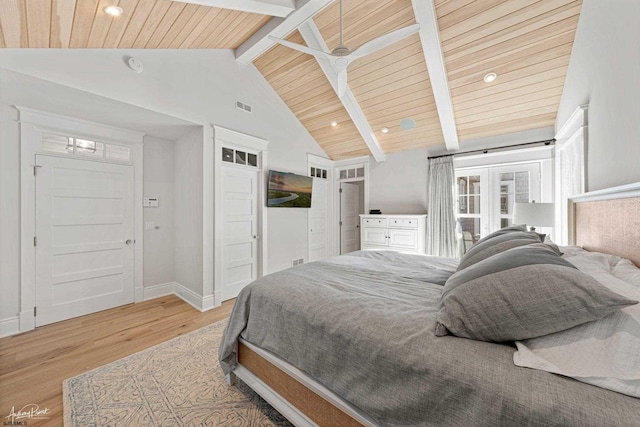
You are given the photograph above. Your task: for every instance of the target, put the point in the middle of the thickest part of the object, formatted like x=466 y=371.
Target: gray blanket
x=363 y=326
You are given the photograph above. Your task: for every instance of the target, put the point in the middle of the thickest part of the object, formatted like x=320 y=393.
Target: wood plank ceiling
x=527 y=43
x=145 y=24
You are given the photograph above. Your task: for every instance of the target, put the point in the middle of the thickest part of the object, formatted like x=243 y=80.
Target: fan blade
x=301 y=48
x=342 y=82
x=383 y=41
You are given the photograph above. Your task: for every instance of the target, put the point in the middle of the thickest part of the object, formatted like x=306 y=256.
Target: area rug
x=176 y=383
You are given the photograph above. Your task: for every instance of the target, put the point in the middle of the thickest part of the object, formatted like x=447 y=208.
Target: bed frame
x=607 y=221
x=604 y=221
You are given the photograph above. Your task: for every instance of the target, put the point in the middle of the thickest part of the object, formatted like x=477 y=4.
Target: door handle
x=128 y=242
x=256 y=237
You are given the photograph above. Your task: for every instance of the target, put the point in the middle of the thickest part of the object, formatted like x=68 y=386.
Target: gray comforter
x=363 y=325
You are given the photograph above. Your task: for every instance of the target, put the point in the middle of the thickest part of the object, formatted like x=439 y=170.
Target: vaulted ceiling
x=433 y=77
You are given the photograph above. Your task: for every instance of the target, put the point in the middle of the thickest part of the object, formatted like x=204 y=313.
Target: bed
x=351 y=341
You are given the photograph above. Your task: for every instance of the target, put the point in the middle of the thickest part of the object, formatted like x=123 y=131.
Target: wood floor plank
x=34 y=364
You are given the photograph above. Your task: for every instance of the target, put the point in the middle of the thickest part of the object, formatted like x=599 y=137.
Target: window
x=317 y=172
x=83 y=147
x=352 y=173
x=239 y=157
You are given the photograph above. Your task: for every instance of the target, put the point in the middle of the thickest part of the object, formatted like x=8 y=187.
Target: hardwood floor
x=34 y=364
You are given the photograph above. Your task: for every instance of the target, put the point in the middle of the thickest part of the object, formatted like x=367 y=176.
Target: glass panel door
x=472 y=205
x=485 y=198
x=510 y=184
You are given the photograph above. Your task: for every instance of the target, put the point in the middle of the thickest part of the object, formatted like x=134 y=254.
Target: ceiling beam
x=280 y=8
x=425 y=13
x=312 y=37
x=277 y=27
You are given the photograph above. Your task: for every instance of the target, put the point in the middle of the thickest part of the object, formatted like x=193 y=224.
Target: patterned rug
x=176 y=383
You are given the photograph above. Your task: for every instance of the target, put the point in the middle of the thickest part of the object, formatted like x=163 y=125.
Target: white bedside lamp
x=534 y=214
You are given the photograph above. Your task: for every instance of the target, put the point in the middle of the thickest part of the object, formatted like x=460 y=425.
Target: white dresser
x=406 y=233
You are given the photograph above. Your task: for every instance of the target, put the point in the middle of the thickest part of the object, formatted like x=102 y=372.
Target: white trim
x=9 y=326
x=32 y=122
x=85 y=128
x=351 y=161
x=263 y=7
x=425 y=13
x=312 y=37
x=231 y=138
x=303 y=379
x=362 y=161
x=619 y=192
x=208 y=212
x=187 y=295
x=576 y=120
x=277 y=27
x=573 y=131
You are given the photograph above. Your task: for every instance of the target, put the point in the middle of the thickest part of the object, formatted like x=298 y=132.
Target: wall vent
x=242 y=106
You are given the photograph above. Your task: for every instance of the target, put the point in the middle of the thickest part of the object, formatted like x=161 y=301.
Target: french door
x=485 y=197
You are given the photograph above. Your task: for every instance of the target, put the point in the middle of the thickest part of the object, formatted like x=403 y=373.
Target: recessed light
x=113 y=10
x=334 y=123
x=385 y=130
x=489 y=77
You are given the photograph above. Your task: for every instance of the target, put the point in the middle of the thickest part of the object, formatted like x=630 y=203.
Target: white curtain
x=441 y=221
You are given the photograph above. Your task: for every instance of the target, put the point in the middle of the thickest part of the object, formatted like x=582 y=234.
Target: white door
x=84 y=231
x=240 y=229
x=317 y=218
x=486 y=197
x=349 y=217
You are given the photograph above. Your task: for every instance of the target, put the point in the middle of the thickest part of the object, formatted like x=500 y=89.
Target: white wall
x=399 y=185
x=604 y=72
x=9 y=213
x=187 y=179
x=158 y=182
x=200 y=87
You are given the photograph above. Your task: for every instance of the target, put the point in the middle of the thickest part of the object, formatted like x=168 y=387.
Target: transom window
x=239 y=157
x=82 y=147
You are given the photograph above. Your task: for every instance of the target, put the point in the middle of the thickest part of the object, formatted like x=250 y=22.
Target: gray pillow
x=522 y=293
x=505 y=230
x=500 y=243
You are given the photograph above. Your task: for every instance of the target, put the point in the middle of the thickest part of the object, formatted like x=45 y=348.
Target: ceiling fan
x=342 y=56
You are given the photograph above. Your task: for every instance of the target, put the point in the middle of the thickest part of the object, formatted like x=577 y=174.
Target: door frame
x=233 y=139
x=337 y=166
x=32 y=124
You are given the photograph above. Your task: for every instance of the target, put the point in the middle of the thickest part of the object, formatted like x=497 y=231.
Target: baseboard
x=9 y=326
x=187 y=295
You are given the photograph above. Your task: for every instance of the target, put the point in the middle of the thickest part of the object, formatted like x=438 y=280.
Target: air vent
x=242 y=106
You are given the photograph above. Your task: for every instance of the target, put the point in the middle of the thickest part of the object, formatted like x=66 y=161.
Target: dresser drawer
x=403 y=222
x=374 y=222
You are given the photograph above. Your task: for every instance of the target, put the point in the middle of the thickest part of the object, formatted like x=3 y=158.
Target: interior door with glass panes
x=509 y=184
x=485 y=197
x=472 y=205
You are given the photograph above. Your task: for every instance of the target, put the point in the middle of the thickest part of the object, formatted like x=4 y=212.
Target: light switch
x=150 y=202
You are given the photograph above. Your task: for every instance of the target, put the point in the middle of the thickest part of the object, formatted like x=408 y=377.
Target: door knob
x=128 y=242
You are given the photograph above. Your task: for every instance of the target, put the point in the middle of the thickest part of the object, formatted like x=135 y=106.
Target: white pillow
x=605 y=352
x=569 y=251
x=627 y=271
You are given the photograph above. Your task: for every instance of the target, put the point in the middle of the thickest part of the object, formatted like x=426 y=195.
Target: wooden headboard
x=608 y=221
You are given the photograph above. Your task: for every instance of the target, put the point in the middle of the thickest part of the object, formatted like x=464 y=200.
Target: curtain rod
x=486 y=150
